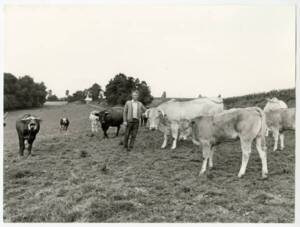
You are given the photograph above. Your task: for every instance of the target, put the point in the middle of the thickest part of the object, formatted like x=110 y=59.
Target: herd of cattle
x=203 y=120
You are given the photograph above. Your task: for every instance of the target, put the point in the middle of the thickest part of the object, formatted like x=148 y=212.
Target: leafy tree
x=22 y=92
x=164 y=95
x=119 y=89
x=67 y=93
x=94 y=91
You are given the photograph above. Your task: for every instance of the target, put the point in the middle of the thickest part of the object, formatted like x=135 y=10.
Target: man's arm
x=143 y=108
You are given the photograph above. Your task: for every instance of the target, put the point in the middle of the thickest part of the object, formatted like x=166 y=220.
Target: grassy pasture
x=85 y=178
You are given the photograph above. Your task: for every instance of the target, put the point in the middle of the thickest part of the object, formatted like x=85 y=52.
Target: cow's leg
x=263 y=156
x=174 y=130
x=118 y=129
x=93 y=127
x=267 y=132
x=96 y=126
x=163 y=146
x=206 y=152
x=246 y=150
x=21 y=146
x=281 y=137
x=210 y=163
x=29 y=148
x=105 y=133
x=275 y=135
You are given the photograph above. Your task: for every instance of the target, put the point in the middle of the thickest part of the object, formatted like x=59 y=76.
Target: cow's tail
x=263 y=129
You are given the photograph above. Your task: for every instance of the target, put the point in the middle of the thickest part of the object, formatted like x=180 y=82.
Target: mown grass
x=84 y=178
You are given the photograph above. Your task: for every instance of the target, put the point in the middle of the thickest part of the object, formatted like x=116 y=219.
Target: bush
x=77 y=96
x=52 y=98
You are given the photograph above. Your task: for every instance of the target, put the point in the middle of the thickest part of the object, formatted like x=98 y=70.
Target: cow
x=245 y=124
x=111 y=117
x=167 y=116
x=4 y=118
x=274 y=104
x=64 y=124
x=279 y=121
x=94 y=118
x=27 y=128
x=144 y=118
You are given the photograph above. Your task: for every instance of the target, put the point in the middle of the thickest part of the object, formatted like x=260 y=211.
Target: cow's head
x=64 y=120
x=104 y=116
x=32 y=122
x=274 y=99
x=155 y=116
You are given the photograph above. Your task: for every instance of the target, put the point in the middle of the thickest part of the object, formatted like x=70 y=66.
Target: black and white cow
x=27 y=127
x=64 y=124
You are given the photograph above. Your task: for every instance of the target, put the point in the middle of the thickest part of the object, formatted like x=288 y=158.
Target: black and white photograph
x=149 y=112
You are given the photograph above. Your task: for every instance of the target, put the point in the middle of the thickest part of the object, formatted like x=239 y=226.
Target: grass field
x=84 y=178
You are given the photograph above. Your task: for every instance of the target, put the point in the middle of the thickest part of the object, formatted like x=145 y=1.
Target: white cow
x=95 y=121
x=274 y=104
x=168 y=116
x=247 y=124
x=279 y=121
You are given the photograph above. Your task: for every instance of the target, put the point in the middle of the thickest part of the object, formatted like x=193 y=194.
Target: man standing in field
x=133 y=110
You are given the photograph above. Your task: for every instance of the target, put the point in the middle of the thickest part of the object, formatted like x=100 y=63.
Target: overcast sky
x=184 y=50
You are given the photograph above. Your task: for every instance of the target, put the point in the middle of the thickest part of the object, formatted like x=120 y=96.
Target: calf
x=112 y=117
x=274 y=104
x=27 y=127
x=279 y=121
x=144 y=119
x=247 y=124
x=94 y=118
x=64 y=124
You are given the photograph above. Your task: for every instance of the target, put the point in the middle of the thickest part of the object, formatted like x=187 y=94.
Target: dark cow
x=64 y=124
x=111 y=117
x=144 y=118
x=27 y=127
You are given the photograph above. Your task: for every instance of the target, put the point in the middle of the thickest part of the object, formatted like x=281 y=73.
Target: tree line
x=23 y=92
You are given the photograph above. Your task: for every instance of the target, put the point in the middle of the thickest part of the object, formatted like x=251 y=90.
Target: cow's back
x=190 y=109
x=275 y=105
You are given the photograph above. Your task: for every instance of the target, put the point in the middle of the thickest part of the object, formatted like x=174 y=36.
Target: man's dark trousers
x=131 y=130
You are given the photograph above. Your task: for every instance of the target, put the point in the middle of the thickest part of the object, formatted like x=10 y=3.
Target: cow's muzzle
x=152 y=128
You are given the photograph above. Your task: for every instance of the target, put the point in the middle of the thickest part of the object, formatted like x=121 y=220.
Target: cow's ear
x=162 y=113
x=24 y=120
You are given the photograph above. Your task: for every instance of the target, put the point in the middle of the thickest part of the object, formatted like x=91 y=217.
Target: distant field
x=65 y=182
